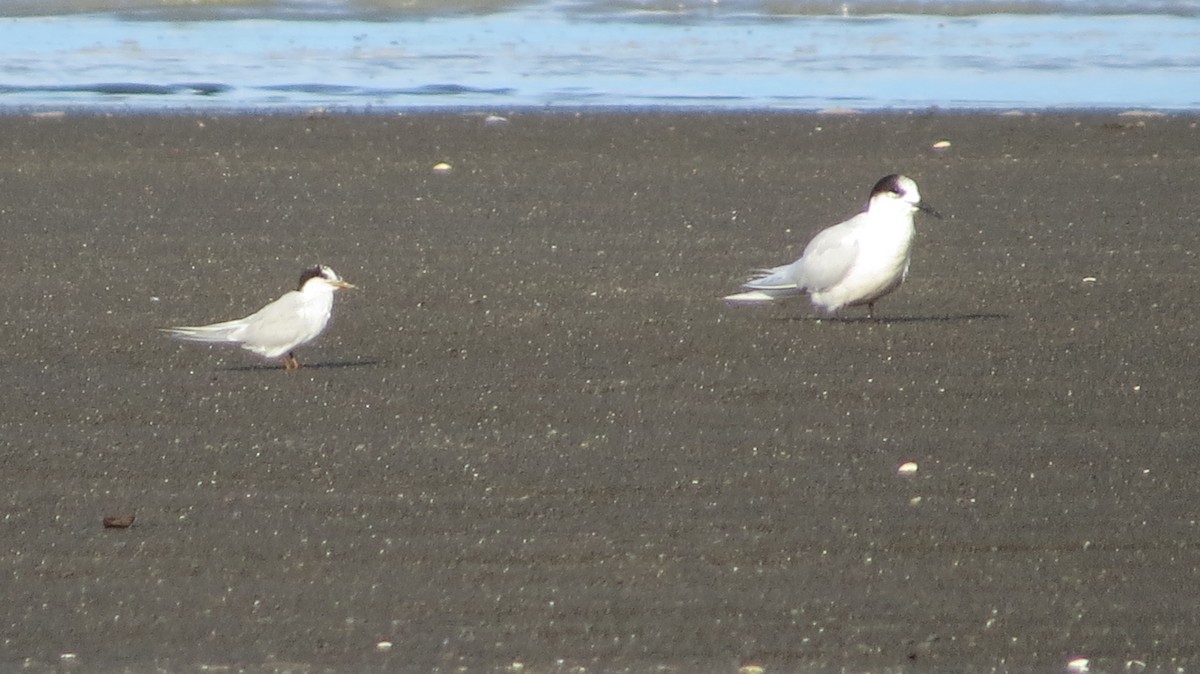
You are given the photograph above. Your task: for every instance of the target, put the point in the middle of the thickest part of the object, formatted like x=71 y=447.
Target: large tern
x=852 y=263
x=294 y=319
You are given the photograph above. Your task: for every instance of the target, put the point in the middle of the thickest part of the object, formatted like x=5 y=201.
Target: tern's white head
x=323 y=277
x=897 y=192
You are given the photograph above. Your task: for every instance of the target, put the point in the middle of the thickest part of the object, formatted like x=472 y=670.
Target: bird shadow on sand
x=897 y=320
x=334 y=365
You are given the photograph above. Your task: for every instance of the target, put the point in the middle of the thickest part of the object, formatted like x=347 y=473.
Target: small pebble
x=942 y=145
x=442 y=167
x=1078 y=665
x=907 y=468
x=383 y=647
x=1089 y=279
x=118 y=521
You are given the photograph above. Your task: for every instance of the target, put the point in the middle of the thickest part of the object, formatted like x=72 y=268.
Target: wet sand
x=535 y=440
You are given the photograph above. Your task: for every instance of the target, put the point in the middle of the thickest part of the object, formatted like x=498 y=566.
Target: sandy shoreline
x=537 y=436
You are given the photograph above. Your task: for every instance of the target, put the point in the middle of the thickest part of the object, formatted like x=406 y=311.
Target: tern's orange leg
x=290 y=362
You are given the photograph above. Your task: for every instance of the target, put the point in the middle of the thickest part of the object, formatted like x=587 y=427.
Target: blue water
x=379 y=55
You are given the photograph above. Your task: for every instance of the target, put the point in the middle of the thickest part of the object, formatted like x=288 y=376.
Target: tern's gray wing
x=829 y=256
x=279 y=326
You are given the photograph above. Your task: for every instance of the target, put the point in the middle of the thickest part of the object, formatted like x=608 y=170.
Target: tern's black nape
x=316 y=271
x=888 y=183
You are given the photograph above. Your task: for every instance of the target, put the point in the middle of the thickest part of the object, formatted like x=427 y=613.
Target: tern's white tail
x=751 y=297
x=767 y=285
x=217 y=332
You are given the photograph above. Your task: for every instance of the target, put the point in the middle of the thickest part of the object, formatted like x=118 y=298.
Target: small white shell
x=442 y=167
x=907 y=468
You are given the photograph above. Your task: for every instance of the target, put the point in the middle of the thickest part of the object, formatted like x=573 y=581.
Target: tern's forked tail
x=766 y=285
x=217 y=332
x=750 y=297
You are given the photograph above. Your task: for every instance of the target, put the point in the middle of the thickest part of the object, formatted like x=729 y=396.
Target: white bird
x=296 y=318
x=852 y=263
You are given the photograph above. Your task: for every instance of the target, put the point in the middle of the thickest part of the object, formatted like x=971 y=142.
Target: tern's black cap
x=317 y=271
x=888 y=183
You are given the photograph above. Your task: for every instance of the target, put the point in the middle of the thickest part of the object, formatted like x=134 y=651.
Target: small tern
x=852 y=263
x=296 y=318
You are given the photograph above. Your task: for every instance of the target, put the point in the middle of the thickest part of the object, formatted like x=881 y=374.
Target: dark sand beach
x=536 y=440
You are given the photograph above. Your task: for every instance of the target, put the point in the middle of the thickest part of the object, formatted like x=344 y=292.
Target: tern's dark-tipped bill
x=926 y=208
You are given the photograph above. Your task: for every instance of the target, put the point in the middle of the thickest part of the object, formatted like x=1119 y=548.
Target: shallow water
x=387 y=54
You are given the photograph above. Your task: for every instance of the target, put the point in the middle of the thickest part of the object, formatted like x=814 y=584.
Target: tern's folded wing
x=280 y=326
x=829 y=257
